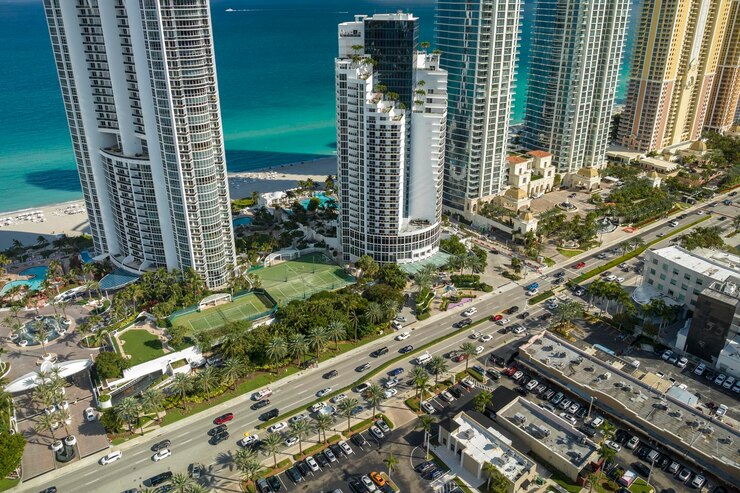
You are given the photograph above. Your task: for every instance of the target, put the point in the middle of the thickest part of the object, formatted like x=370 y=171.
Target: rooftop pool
x=37 y=275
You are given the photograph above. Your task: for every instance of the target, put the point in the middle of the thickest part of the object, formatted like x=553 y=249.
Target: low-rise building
x=584 y=178
x=475 y=445
x=659 y=165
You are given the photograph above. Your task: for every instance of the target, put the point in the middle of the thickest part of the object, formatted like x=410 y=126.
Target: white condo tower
x=391 y=121
x=138 y=80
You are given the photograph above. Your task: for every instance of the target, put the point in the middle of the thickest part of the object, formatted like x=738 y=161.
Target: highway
x=189 y=436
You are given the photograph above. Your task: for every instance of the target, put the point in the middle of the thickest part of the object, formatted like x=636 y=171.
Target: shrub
x=110 y=365
x=12 y=447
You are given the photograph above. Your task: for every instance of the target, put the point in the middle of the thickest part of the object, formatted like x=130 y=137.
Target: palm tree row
x=209 y=379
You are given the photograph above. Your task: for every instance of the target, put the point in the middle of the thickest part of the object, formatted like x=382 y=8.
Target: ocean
x=275 y=61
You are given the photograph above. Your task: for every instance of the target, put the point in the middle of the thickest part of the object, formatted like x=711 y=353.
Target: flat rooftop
x=711 y=263
x=551 y=430
x=601 y=373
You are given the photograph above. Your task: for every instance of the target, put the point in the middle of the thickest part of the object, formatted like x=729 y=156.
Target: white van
x=111 y=457
x=423 y=358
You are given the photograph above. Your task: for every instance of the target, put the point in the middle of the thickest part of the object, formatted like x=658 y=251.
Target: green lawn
x=247 y=307
x=640 y=486
x=6 y=484
x=141 y=346
x=569 y=253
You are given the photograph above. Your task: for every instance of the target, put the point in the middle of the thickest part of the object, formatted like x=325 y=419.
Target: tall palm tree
x=128 y=411
x=336 y=332
x=276 y=350
x=207 y=379
x=42 y=334
x=323 y=422
x=271 y=445
x=345 y=409
x=152 y=401
x=481 y=400
x=182 y=383
x=46 y=422
x=468 y=349
x=248 y=464
x=297 y=346
x=374 y=395
x=354 y=320
x=608 y=429
x=500 y=483
x=420 y=377
x=437 y=366
x=605 y=454
x=232 y=371
x=300 y=429
x=374 y=313
x=391 y=462
x=567 y=311
x=317 y=339
x=181 y=482
x=425 y=423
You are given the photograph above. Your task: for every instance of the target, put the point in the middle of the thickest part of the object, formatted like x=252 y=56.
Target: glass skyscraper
x=479 y=41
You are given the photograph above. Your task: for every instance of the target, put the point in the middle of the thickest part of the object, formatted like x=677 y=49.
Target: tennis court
x=242 y=308
x=300 y=278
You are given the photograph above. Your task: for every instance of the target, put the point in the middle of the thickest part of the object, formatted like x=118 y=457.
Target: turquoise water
x=34 y=284
x=276 y=79
x=323 y=198
x=241 y=221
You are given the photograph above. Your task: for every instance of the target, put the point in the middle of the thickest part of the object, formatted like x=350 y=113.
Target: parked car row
x=429 y=470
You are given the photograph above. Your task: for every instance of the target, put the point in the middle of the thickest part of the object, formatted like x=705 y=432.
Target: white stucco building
x=138 y=80
x=391 y=121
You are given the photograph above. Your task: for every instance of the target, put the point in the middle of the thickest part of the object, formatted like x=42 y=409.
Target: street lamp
x=590 y=405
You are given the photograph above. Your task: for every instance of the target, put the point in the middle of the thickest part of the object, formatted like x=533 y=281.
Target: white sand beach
x=70 y=218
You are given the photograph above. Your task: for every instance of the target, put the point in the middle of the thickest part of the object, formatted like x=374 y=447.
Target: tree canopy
x=110 y=365
x=12 y=447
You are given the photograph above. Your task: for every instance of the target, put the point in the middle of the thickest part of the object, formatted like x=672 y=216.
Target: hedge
x=464 y=278
x=413 y=404
x=475 y=375
x=540 y=297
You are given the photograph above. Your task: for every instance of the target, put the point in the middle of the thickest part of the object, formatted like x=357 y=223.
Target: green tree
x=374 y=313
x=426 y=422
x=233 y=370
x=367 y=266
x=567 y=311
x=181 y=483
x=247 y=464
x=317 y=338
x=300 y=430
x=110 y=365
x=481 y=400
x=297 y=346
x=608 y=429
x=12 y=447
x=437 y=366
x=182 y=384
x=374 y=395
x=497 y=482
x=391 y=463
x=276 y=350
x=271 y=445
x=345 y=409
x=468 y=349
x=207 y=379
x=393 y=276
x=152 y=401
x=46 y=422
x=324 y=422
x=336 y=332
x=129 y=410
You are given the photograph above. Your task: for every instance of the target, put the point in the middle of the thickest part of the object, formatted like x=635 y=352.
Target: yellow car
x=377 y=479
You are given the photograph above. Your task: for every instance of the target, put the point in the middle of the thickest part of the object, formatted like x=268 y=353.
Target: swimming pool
x=38 y=274
x=242 y=221
x=326 y=200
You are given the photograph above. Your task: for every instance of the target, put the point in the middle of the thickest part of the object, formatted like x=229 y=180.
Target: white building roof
x=33 y=379
x=710 y=263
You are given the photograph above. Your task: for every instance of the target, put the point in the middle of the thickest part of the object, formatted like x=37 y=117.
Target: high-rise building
x=479 y=42
x=576 y=50
x=138 y=80
x=674 y=62
x=390 y=140
x=726 y=91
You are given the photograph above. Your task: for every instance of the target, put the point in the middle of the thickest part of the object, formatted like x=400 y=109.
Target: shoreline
x=241 y=185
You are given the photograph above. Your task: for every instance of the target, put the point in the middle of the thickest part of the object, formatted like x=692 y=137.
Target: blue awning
x=118 y=279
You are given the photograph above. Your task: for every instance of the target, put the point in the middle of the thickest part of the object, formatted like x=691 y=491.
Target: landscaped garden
x=140 y=345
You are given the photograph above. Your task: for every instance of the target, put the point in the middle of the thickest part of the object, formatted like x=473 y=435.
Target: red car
x=224 y=418
x=510 y=371
x=496 y=318
x=460 y=358
x=580 y=265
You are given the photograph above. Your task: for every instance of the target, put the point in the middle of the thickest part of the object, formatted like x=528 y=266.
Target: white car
x=262 y=394
x=516 y=376
x=391 y=383
x=427 y=407
x=681 y=363
x=720 y=379
x=277 y=427
x=597 y=421
x=613 y=445
x=568 y=417
x=470 y=311
x=368 y=484
x=397 y=325
x=727 y=384
x=611 y=277
x=247 y=440
x=632 y=443
x=323 y=392
x=503 y=321
x=666 y=354
x=518 y=329
x=290 y=441
x=111 y=457
x=486 y=338
x=390 y=393
x=447 y=396
x=89 y=414
x=721 y=410
x=533 y=292
x=620 y=280
x=532 y=384
x=700 y=369
x=479 y=350
x=345 y=448
x=315 y=408
x=297 y=418
x=312 y=464
x=403 y=336
x=162 y=454
x=338 y=398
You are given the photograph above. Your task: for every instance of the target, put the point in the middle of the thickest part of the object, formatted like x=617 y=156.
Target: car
x=368 y=484
x=532 y=292
x=406 y=349
x=463 y=323
x=613 y=445
x=263 y=486
x=330 y=455
x=195 y=470
x=312 y=464
x=518 y=329
x=557 y=398
x=429 y=473
x=277 y=427
x=346 y=449
x=727 y=202
x=673 y=360
x=602 y=256
x=395 y=372
x=260 y=404
x=390 y=393
x=330 y=374
x=573 y=408
x=479 y=350
x=673 y=224
x=380 y=423
x=216 y=430
x=721 y=410
x=427 y=407
x=460 y=358
x=397 y=324
x=356 y=487
x=660 y=235
x=89 y=414
x=303 y=468
x=111 y=457
x=248 y=440
x=493 y=374
x=467 y=382
x=673 y=467
x=362 y=368
x=52 y=489
x=297 y=417
x=503 y=321
x=512 y=310
x=581 y=413
x=596 y=421
x=218 y=438
x=641 y=469
x=391 y=382
x=275 y=483
x=497 y=317
x=271 y=414
x=728 y=383
x=683 y=475
x=720 y=379
x=356 y=410
x=523 y=315
x=517 y=376
x=377 y=433
x=531 y=385
x=160 y=478
x=161 y=445
x=323 y=392
x=510 y=371
x=403 y=336
x=548 y=394
x=579 y=265
x=666 y=354
x=700 y=369
x=294 y=474
x=470 y=311
x=261 y=394
x=358 y=439
x=736 y=387
x=338 y=398
x=486 y=338
x=455 y=391
x=377 y=478
x=424 y=466
x=316 y=407
x=434 y=475
x=698 y=481
x=532 y=286
x=447 y=396
x=620 y=280
x=161 y=454
x=632 y=443
x=610 y=278
x=568 y=417
x=379 y=352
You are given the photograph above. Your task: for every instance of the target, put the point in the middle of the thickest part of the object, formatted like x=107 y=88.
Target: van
x=423 y=358
x=652 y=456
x=111 y=457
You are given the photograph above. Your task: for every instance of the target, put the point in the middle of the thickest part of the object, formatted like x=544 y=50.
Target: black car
x=560 y=274
x=338 y=452
x=362 y=368
x=406 y=349
x=581 y=413
x=523 y=315
x=522 y=391
x=218 y=438
x=545 y=316
x=662 y=461
x=260 y=404
x=379 y=352
x=358 y=440
x=159 y=446
x=303 y=468
x=321 y=460
x=218 y=429
x=331 y=374
x=493 y=374
x=621 y=436
x=641 y=469
x=164 y=489
x=455 y=390
x=263 y=487
x=430 y=473
x=267 y=416
x=294 y=474
x=463 y=323
x=424 y=466
x=512 y=310
x=274 y=483
x=160 y=478
x=356 y=487
x=50 y=489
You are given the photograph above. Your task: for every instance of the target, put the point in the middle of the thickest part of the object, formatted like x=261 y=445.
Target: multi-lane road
x=190 y=439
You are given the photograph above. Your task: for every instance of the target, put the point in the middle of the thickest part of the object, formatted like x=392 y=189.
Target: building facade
x=674 y=63
x=390 y=154
x=479 y=41
x=576 y=50
x=138 y=80
x=726 y=91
